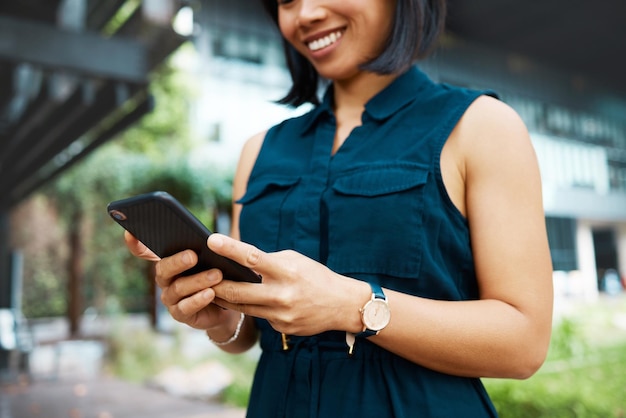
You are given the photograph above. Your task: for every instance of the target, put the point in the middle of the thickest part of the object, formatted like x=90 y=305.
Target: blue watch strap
x=377 y=290
x=367 y=333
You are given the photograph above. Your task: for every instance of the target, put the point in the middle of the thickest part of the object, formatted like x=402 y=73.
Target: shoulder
x=490 y=113
x=488 y=116
x=252 y=146
x=492 y=133
x=489 y=153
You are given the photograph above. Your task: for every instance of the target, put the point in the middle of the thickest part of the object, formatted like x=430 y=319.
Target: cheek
x=386 y=14
x=286 y=27
x=289 y=31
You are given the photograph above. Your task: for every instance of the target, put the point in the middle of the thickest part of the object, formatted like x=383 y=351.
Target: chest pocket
x=263 y=215
x=375 y=218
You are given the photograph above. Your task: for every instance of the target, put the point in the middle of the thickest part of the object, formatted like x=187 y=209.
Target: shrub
x=578 y=380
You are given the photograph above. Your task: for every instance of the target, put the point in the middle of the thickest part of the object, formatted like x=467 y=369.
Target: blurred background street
x=102 y=397
x=70 y=378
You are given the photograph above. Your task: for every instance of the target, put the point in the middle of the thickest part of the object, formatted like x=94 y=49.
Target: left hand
x=298 y=296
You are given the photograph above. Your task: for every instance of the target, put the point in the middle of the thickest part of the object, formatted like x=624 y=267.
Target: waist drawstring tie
x=315 y=347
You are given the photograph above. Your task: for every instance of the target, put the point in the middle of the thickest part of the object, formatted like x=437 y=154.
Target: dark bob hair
x=416 y=27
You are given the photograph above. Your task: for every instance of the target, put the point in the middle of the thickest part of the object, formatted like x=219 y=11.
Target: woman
x=398 y=228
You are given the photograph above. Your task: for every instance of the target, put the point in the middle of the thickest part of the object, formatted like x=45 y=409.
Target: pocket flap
x=381 y=180
x=266 y=184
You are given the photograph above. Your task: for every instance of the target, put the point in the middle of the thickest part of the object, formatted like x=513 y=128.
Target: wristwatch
x=375 y=314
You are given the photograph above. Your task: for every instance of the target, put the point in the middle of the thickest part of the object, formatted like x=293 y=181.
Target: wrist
x=359 y=294
x=224 y=335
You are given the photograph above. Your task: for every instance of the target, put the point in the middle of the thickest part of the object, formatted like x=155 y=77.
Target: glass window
x=562 y=240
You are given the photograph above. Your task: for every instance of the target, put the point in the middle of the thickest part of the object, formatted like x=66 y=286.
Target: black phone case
x=166 y=227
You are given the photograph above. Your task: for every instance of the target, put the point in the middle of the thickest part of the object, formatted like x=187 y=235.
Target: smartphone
x=166 y=227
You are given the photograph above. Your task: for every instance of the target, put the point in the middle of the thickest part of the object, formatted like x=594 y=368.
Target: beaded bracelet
x=234 y=336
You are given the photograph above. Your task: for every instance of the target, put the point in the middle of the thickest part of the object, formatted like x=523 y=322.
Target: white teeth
x=325 y=41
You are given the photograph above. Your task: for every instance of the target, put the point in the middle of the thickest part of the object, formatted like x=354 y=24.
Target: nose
x=311 y=11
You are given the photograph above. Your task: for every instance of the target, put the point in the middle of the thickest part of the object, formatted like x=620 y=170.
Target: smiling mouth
x=325 y=41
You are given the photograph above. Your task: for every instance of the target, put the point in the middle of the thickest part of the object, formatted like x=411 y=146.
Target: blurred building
x=577 y=125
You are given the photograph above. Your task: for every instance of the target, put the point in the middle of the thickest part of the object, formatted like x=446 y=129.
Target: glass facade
x=586 y=144
x=562 y=239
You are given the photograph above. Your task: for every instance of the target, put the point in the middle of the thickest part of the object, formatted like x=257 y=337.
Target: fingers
x=191 y=305
x=245 y=254
x=169 y=268
x=137 y=248
x=199 y=310
x=186 y=286
x=188 y=298
x=243 y=296
x=240 y=295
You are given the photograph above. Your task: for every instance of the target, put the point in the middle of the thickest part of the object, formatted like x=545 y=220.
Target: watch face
x=376 y=314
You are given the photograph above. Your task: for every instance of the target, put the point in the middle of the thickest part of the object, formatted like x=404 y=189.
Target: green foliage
x=152 y=155
x=592 y=386
x=45 y=296
x=121 y=17
x=537 y=401
x=135 y=356
x=138 y=356
x=579 y=379
x=164 y=132
x=242 y=366
x=109 y=175
x=567 y=340
x=40 y=242
x=237 y=394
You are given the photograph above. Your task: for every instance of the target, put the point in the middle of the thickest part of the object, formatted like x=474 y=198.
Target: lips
x=324 y=41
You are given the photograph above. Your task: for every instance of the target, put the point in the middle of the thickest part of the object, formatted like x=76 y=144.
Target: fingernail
x=186 y=258
x=212 y=276
x=216 y=240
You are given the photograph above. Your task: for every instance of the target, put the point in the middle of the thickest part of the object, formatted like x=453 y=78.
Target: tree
x=96 y=266
x=87 y=260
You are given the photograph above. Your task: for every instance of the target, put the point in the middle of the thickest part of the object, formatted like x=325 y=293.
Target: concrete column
x=587 y=261
x=5 y=281
x=5 y=275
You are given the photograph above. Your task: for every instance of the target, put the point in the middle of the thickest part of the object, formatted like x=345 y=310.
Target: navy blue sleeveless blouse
x=377 y=210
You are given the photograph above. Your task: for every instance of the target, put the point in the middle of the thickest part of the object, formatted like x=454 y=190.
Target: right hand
x=187 y=298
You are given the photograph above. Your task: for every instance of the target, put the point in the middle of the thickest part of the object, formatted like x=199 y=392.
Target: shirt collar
x=402 y=91
x=324 y=108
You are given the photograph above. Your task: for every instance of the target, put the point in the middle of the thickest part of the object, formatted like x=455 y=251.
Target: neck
x=350 y=97
x=352 y=94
